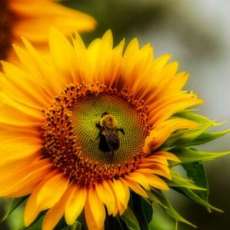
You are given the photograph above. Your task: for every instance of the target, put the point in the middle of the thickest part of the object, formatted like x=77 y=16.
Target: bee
x=109 y=134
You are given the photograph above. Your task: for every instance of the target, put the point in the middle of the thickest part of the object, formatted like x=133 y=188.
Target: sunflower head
x=87 y=127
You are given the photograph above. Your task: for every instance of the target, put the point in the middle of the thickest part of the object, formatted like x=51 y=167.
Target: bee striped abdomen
x=109 y=141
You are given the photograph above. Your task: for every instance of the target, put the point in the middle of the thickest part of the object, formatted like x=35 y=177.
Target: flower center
x=108 y=129
x=93 y=133
x=5 y=29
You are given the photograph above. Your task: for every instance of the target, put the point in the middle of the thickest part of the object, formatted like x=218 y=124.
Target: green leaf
x=36 y=224
x=142 y=210
x=130 y=220
x=209 y=136
x=185 y=137
x=163 y=202
x=195 y=136
x=190 y=115
x=14 y=203
x=76 y=226
x=112 y=223
x=147 y=210
x=161 y=220
x=196 y=172
x=176 y=225
x=189 y=155
x=196 y=198
x=180 y=181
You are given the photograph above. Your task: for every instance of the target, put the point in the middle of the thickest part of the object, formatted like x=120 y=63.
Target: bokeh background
x=197 y=34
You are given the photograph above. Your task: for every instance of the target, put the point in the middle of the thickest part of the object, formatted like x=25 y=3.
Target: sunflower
x=89 y=126
x=32 y=20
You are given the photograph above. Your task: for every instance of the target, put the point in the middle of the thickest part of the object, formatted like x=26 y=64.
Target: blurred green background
x=197 y=34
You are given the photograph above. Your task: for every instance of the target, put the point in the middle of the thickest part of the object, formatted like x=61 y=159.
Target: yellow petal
x=53 y=81
x=136 y=188
x=28 y=86
x=32 y=209
x=167 y=74
x=167 y=155
x=12 y=117
x=162 y=132
x=90 y=221
x=105 y=194
x=75 y=204
x=177 y=83
x=62 y=52
x=52 y=191
x=138 y=178
x=21 y=148
x=96 y=209
x=122 y=195
x=15 y=180
x=100 y=55
x=37 y=18
x=168 y=110
x=155 y=159
x=54 y=214
x=156 y=169
x=114 y=68
x=24 y=109
x=156 y=182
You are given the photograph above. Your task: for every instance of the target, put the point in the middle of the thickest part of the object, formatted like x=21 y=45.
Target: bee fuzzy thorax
x=108 y=121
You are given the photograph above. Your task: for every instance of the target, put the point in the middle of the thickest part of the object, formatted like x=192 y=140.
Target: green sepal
x=62 y=225
x=196 y=198
x=114 y=223
x=180 y=181
x=147 y=210
x=196 y=136
x=130 y=220
x=14 y=204
x=208 y=137
x=190 y=115
x=193 y=138
x=76 y=226
x=36 y=224
x=196 y=172
x=161 y=199
x=190 y=155
x=142 y=209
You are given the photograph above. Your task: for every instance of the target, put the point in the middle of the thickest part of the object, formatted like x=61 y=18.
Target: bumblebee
x=109 y=134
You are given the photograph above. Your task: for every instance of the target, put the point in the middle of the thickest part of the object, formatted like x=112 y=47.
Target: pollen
x=71 y=138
